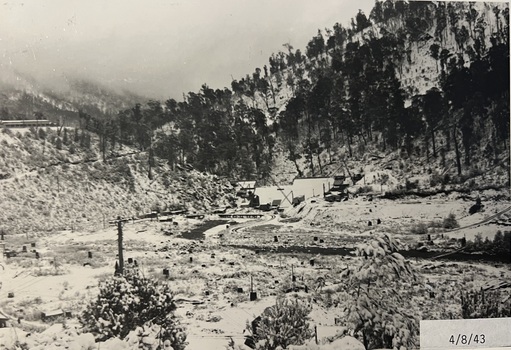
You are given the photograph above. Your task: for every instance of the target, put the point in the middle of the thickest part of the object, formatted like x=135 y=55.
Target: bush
x=476 y=207
x=435 y=224
x=284 y=324
x=419 y=229
x=450 y=222
x=364 y=189
x=41 y=134
x=435 y=179
x=58 y=144
x=130 y=301
x=409 y=185
x=481 y=304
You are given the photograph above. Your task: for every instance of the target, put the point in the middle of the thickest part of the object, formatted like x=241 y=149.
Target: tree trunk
x=102 y=146
x=467 y=155
x=495 y=147
x=300 y=173
x=457 y=149
x=433 y=142
x=363 y=138
x=349 y=146
x=508 y=161
x=319 y=164
x=312 y=162
x=426 y=140
x=408 y=145
x=448 y=141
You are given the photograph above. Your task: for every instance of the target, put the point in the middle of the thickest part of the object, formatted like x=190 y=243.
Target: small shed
x=3 y=320
x=54 y=315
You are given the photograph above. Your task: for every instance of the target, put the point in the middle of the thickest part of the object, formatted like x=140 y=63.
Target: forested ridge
x=424 y=79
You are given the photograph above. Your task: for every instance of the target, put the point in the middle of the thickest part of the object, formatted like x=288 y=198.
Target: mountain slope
x=23 y=97
x=53 y=183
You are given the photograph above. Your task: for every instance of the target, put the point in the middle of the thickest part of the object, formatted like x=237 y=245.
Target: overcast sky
x=159 y=48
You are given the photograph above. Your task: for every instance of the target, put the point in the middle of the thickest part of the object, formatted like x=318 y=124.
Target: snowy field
x=225 y=260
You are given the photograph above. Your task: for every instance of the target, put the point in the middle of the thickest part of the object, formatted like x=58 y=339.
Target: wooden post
x=253 y=295
x=119 y=242
x=316 y=334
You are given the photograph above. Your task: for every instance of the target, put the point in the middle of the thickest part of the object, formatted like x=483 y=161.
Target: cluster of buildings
x=277 y=197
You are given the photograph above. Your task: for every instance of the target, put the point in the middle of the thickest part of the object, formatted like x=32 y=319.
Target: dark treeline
x=346 y=89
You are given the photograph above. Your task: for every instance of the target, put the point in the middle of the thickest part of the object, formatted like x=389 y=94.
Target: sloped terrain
x=45 y=188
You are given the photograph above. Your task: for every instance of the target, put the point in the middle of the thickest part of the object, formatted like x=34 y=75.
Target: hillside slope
x=445 y=52
x=53 y=183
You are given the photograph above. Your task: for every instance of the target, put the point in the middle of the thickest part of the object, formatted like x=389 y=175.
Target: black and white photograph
x=254 y=174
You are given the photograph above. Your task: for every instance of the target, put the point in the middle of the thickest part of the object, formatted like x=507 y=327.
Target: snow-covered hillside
x=52 y=183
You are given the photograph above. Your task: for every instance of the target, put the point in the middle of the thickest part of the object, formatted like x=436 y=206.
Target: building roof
x=247 y=184
x=3 y=316
x=54 y=313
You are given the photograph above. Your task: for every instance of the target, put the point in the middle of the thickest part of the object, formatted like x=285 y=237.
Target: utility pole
x=119 y=243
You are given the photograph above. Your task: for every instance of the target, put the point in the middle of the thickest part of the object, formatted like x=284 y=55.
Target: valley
x=331 y=198
x=213 y=274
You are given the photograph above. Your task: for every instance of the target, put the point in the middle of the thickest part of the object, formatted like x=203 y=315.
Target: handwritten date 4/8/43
x=467 y=339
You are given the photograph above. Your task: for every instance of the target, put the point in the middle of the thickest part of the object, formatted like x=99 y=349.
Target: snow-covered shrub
x=285 y=323
x=130 y=301
x=489 y=304
x=378 y=311
x=450 y=222
x=419 y=229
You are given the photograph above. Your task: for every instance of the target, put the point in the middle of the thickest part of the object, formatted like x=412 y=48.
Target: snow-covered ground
x=59 y=279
